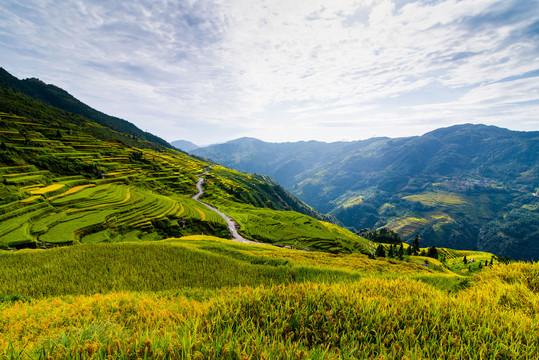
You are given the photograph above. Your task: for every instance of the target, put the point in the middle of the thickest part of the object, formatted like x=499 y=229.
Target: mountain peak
x=184 y=145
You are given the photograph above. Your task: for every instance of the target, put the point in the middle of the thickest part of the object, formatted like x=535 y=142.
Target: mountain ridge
x=386 y=181
x=184 y=145
x=58 y=97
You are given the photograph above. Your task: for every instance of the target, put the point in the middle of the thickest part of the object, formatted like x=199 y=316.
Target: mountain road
x=232 y=225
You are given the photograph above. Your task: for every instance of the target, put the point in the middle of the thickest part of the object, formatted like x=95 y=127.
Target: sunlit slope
x=224 y=188
x=196 y=261
x=61 y=184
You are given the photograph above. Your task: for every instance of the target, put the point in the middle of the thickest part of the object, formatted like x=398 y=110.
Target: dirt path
x=232 y=225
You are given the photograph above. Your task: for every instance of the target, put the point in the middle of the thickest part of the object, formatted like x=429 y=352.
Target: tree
x=415 y=245
x=432 y=252
x=400 y=252
x=58 y=134
x=465 y=261
x=409 y=251
x=380 y=251
x=391 y=252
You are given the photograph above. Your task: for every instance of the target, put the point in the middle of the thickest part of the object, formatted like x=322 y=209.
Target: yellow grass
x=202 y=214
x=31 y=198
x=46 y=189
x=439 y=198
x=71 y=191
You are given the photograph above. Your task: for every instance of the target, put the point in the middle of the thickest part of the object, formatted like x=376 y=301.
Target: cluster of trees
x=398 y=251
x=394 y=251
x=382 y=235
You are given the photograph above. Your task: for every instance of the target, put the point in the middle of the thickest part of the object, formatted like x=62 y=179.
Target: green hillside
x=55 y=96
x=65 y=179
x=466 y=186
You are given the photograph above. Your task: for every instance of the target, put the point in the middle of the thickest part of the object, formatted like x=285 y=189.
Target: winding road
x=232 y=225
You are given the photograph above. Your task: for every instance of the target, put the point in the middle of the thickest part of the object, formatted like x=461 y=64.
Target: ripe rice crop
x=367 y=318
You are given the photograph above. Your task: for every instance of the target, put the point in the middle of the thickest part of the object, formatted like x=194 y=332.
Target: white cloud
x=256 y=65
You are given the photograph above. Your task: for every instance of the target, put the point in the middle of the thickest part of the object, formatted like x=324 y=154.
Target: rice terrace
x=296 y=180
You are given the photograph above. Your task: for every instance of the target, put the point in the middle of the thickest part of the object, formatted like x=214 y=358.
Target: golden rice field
x=316 y=310
x=438 y=198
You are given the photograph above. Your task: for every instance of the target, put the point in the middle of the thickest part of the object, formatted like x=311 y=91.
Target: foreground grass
x=369 y=318
x=202 y=297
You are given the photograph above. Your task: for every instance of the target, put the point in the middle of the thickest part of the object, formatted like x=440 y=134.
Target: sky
x=209 y=71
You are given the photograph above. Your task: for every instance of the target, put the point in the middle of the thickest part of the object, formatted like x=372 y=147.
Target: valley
x=454 y=187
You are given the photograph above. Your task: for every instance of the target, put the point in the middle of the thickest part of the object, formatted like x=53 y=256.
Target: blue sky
x=211 y=71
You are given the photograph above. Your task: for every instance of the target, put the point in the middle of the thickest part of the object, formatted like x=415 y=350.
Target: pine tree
x=380 y=251
x=400 y=252
x=415 y=245
x=465 y=261
x=391 y=252
x=432 y=252
x=409 y=250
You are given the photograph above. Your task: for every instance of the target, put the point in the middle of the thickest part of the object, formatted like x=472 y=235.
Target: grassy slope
x=69 y=180
x=202 y=297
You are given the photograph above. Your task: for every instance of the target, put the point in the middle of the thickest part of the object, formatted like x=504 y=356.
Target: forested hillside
x=466 y=186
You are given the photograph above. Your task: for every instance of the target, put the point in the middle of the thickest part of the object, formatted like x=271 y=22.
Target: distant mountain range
x=55 y=96
x=465 y=186
x=184 y=145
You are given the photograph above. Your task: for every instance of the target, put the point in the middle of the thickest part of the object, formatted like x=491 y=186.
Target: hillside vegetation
x=65 y=179
x=55 y=96
x=466 y=186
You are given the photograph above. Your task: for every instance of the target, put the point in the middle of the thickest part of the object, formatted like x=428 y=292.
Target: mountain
x=184 y=145
x=55 y=96
x=65 y=179
x=454 y=187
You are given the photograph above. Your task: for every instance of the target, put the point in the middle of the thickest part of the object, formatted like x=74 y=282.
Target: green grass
x=292 y=228
x=128 y=267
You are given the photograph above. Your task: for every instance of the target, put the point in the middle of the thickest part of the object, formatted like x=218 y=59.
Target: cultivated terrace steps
x=122 y=190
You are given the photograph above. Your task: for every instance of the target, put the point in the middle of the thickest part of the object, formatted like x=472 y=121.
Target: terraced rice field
x=438 y=199
x=132 y=189
x=292 y=228
x=67 y=217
